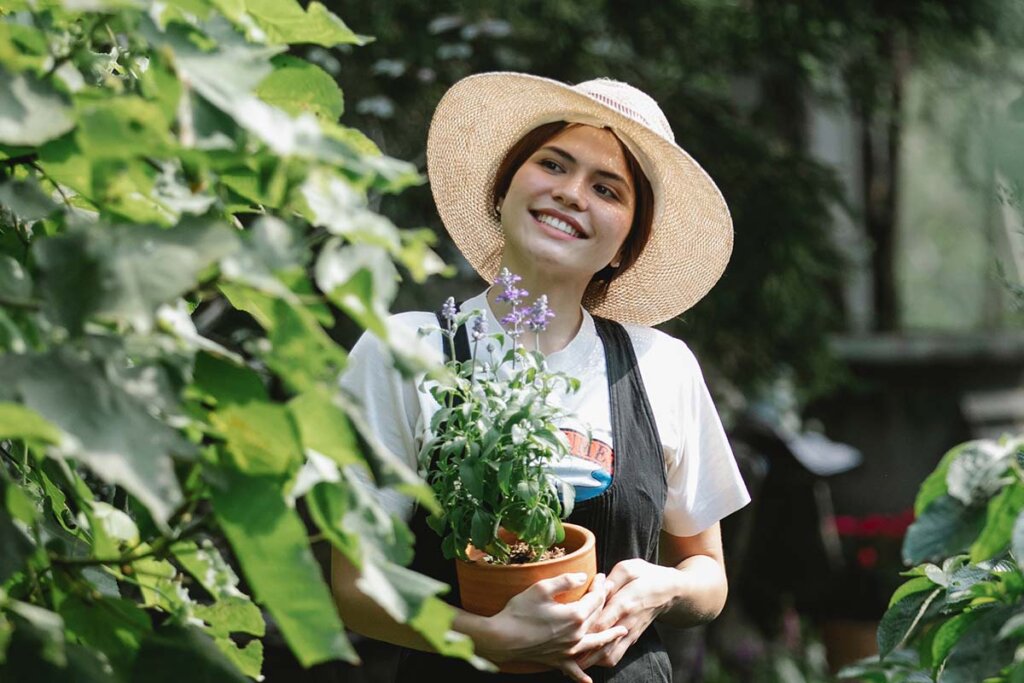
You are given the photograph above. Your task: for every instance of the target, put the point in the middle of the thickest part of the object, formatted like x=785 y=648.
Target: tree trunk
x=880 y=142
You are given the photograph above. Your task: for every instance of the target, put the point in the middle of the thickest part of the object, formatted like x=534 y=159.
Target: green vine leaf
x=296 y=86
x=262 y=534
x=33 y=112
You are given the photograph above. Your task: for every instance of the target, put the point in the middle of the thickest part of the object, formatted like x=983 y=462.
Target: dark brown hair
x=643 y=205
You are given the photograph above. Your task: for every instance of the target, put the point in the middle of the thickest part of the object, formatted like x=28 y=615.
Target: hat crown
x=628 y=101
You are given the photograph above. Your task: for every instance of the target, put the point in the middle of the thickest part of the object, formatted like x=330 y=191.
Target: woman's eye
x=606 y=191
x=550 y=165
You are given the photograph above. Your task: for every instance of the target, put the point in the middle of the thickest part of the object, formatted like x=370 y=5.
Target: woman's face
x=570 y=205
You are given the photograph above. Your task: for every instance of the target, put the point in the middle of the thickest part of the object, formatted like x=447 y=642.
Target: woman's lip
x=553 y=232
x=562 y=217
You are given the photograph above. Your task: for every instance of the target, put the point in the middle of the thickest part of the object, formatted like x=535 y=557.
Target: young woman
x=582 y=192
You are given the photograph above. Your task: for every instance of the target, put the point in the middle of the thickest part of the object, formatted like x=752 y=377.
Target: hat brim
x=481 y=117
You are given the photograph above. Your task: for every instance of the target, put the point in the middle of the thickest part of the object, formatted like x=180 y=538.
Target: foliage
x=168 y=172
x=494 y=436
x=958 y=618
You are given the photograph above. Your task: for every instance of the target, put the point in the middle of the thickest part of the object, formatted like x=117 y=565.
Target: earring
x=497 y=210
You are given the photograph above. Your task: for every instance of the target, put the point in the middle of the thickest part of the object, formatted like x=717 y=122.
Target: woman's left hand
x=634 y=600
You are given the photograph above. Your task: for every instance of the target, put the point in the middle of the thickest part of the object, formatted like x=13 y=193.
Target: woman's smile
x=570 y=205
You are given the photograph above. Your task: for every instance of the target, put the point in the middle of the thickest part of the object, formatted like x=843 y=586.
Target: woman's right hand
x=534 y=627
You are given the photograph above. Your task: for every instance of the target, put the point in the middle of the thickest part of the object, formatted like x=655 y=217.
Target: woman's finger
x=572 y=670
x=562 y=583
x=598 y=640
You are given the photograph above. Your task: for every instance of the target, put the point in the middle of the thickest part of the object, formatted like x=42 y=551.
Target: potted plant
x=487 y=455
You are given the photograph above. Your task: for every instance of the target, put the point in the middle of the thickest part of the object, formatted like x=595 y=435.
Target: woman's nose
x=570 y=191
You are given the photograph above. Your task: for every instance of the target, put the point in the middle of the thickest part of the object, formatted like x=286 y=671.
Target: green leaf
x=15 y=545
x=915 y=585
x=977 y=473
x=170 y=646
x=114 y=432
x=361 y=280
x=125 y=272
x=114 y=626
x=232 y=614
x=949 y=633
x=294 y=591
x=261 y=437
x=296 y=86
x=122 y=128
x=1001 y=514
x=934 y=485
x=324 y=427
x=1017 y=540
x=284 y=21
x=27 y=200
x=223 y=382
x=979 y=653
x=33 y=111
x=899 y=621
x=248 y=659
x=63 y=161
x=18 y=422
x=209 y=569
x=946 y=527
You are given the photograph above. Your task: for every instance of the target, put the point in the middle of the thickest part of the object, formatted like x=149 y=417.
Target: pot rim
x=589 y=541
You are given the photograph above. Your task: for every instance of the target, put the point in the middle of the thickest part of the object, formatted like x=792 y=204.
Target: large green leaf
x=284 y=21
x=15 y=546
x=979 y=653
x=949 y=634
x=18 y=422
x=114 y=626
x=261 y=437
x=946 y=527
x=223 y=382
x=1002 y=512
x=301 y=352
x=296 y=86
x=934 y=484
x=27 y=200
x=171 y=647
x=122 y=127
x=324 y=427
x=209 y=569
x=976 y=474
x=31 y=110
x=125 y=272
x=899 y=621
x=262 y=537
x=111 y=431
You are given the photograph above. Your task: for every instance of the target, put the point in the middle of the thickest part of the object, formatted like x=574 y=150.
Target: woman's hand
x=534 y=627
x=633 y=602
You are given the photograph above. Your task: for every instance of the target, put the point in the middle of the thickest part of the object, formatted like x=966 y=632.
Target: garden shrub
x=163 y=165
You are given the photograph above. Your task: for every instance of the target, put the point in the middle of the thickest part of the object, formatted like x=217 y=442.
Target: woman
x=582 y=192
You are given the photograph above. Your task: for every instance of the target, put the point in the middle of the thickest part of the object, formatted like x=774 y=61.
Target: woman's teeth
x=558 y=224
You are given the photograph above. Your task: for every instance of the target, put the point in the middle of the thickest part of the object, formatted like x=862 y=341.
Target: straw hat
x=481 y=117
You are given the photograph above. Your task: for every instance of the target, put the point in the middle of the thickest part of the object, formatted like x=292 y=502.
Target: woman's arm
x=688 y=588
x=532 y=627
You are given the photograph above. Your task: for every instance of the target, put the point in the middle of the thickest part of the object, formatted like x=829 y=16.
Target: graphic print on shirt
x=589 y=467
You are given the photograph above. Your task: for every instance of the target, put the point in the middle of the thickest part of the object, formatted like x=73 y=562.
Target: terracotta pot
x=486 y=588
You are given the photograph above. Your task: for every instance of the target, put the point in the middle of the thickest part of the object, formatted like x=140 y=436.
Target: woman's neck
x=564 y=300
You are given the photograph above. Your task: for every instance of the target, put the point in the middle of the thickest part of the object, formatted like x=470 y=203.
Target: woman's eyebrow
x=572 y=160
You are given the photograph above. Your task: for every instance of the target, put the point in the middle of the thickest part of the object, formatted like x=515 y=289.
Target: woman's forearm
x=362 y=614
x=696 y=592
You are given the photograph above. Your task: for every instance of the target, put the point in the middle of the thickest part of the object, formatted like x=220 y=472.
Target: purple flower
x=539 y=314
x=507 y=278
x=479 y=328
x=512 y=320
x=448 y=310
x=510 y=293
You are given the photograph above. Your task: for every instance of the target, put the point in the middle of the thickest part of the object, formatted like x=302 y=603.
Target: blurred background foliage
x=740 y=82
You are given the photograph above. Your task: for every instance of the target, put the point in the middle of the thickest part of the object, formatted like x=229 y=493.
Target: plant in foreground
x=494 y=435
x=959 y=618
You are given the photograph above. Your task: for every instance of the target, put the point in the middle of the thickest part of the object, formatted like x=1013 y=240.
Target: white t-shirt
x=704 y=483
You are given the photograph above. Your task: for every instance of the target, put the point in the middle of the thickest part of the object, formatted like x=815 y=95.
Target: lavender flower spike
x=478 y=329
x=510 y=293
x=539 y=314
x=448 y=310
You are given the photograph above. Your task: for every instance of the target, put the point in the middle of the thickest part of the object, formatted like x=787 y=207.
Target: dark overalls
x=626 y=519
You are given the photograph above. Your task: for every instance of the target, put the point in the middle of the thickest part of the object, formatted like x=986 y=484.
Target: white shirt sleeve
x=704 y=482
x=391 y=405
